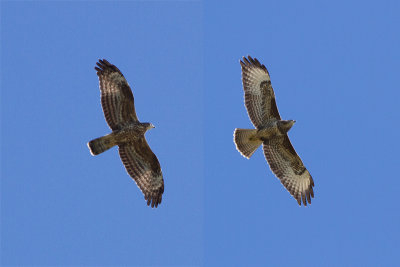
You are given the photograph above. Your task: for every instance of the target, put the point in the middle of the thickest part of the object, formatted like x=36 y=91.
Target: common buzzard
x=127 y=133
x=271 y=131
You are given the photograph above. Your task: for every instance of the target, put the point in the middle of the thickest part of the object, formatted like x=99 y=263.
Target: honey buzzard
x=127 y=133
x=271 y=132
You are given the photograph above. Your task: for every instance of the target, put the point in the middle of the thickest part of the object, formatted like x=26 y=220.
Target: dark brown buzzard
x=271 y=132
x=127 y=133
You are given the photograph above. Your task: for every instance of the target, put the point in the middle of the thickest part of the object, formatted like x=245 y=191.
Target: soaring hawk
x=271 y=132
x=127 y=133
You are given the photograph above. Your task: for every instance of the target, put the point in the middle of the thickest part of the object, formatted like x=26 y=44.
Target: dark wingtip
x=308 y=196
x=244 y=62
x=250 y=61
x=311 y=186
x=299 y=200
x=304 y=199
x=105 y=61
x=104 y=66
x=153 y=200
x=99 y=66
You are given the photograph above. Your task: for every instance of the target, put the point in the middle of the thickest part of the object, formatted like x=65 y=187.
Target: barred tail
x=101 y=144
x=244 y=141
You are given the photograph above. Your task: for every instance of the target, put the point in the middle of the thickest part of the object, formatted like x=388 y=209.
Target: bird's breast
x=268 y=132
x=128 y=134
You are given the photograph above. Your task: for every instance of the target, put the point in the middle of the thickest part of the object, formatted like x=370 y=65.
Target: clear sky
x=335 y=70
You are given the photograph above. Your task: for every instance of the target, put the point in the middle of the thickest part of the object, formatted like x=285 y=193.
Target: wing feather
x=259 y=95
x=288 y=167
x=116 y=95
x=143 y=166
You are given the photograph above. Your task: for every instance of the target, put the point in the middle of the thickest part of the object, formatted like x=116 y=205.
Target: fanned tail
x=245 y=142
x=101 y=144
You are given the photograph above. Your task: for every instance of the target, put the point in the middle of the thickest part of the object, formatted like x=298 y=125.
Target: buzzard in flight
x=127 y=133
x=271 y=132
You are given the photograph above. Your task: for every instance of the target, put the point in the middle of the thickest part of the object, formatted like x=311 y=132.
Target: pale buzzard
x=127 y=133
x=271 y=131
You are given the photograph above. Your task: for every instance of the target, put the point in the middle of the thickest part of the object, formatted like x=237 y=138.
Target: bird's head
x=149 y=126
x=285 y=125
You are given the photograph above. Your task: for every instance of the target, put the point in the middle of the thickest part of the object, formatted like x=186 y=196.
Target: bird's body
x=273 y=129
x=271 y=132
x=268 y=131
x=132 y=132
x=128 y=133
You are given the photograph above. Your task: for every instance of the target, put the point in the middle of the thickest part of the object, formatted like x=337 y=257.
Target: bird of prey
x=127 y=133
x=271 y=132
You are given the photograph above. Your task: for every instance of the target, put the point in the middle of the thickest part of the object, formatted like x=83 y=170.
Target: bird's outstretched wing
x=288 y=167
x=259 y=96
x=143 y=166
x=116 y=95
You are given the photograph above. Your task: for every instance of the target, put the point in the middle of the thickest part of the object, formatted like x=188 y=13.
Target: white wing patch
x=253 y=78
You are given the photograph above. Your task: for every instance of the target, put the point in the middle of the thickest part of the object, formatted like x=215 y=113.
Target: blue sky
x=334 y=67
